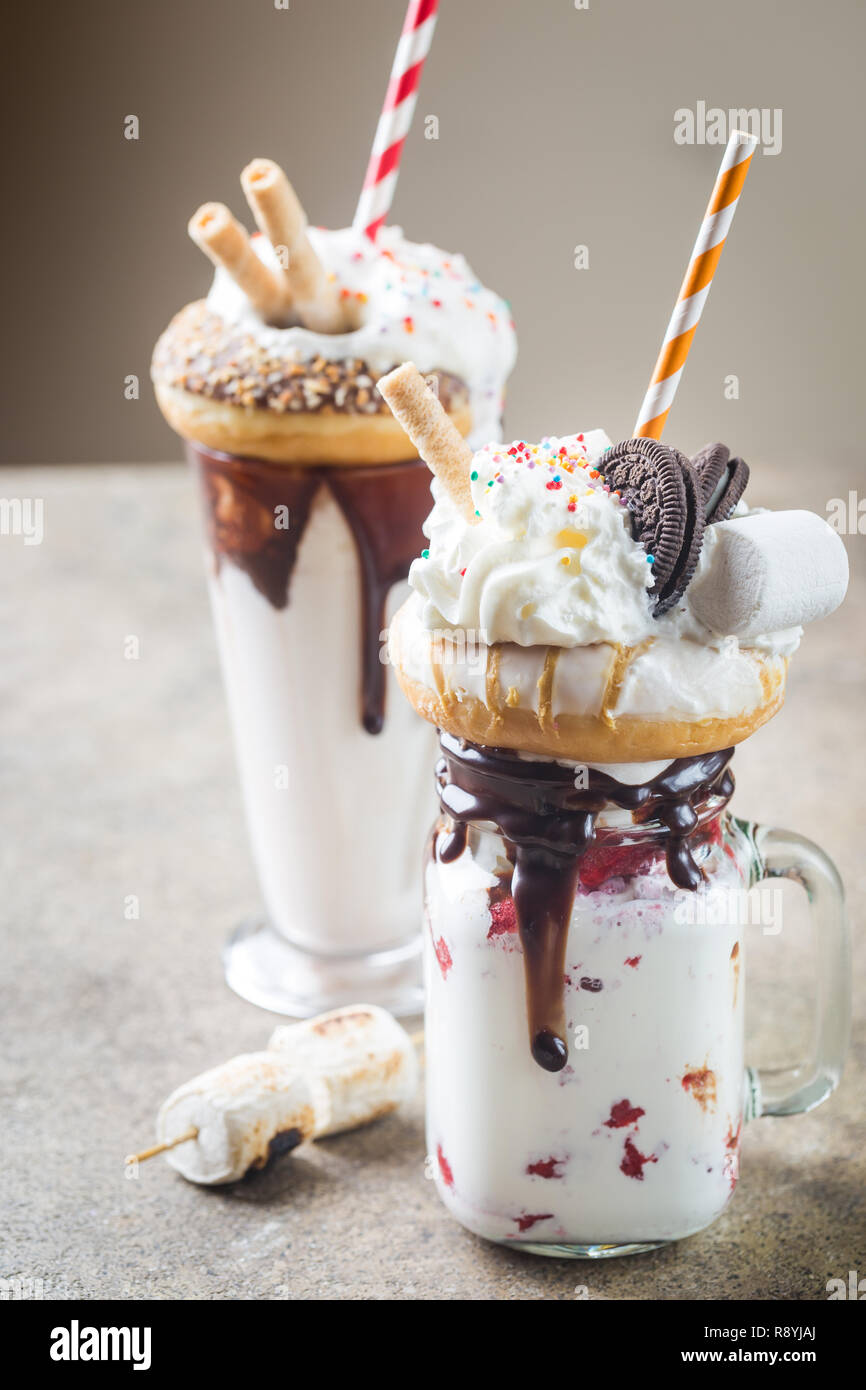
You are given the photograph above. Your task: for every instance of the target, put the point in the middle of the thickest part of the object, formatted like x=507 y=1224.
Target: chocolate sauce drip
x=543 y=886
x=500 y=891
x=384 y=509
x=240 y=501
x=548 y=824
x=383 y=506
x=450 y=846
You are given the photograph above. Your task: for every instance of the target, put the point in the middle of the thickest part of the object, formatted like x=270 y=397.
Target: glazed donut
x=223 y=388
x=251 y=372
x=575 y=703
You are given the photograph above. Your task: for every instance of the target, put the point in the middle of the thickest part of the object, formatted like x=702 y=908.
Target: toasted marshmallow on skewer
x=241 y=1114
x=361 y=1055
x=768 y=571
x=331 y=1073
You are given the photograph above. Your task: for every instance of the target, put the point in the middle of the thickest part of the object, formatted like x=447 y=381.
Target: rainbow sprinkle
x=565 y=462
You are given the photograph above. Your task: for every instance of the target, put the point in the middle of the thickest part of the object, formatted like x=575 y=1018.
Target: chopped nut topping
x=199 y=353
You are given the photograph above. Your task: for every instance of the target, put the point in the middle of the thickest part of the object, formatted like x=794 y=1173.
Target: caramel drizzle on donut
x=769 y=679
x=491 y=681
x=545 y=688
x=616 y=676
x=437 y=666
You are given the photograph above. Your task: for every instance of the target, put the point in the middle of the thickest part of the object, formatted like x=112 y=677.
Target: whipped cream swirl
x=551 y=560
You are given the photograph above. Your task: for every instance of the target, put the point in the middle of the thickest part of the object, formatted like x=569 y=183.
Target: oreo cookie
x=723 y=480
x=663 y=493
x=693 y=539
x=711 y=465
x=738 y=477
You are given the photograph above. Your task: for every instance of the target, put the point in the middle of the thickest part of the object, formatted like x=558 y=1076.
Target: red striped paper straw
x=380 y=180
x=696 y=286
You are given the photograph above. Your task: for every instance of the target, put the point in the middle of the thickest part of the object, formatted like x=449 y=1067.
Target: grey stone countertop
x=117 y=778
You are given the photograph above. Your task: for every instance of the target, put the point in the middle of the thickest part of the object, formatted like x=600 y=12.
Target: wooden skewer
x=191 y=1133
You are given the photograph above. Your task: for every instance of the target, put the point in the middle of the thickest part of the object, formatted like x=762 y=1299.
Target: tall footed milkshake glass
x=313 y=500
x=586 y=886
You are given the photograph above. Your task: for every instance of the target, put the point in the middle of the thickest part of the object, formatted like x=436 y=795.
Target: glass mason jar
x=633 y=1139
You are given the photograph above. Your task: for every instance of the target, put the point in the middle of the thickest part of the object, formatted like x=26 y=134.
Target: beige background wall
x=556 y=129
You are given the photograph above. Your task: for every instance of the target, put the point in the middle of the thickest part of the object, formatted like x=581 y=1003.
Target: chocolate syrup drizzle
x=383 y=506
x=548 y=823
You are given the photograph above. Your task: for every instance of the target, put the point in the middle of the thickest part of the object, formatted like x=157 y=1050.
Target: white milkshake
x=636 y=1139
x=334 y=877
x=585 y=885
x=313 y=504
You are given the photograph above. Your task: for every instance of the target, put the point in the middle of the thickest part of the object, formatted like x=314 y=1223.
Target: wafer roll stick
x=226 y=243
x=431 y=430
x=278 y=214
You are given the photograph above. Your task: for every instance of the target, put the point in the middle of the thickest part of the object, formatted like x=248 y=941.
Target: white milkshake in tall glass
x=313 y=503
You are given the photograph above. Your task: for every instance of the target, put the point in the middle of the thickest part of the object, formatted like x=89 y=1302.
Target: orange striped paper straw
x=696 y=285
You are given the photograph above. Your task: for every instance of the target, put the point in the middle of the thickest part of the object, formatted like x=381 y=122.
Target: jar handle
x=794 y=1090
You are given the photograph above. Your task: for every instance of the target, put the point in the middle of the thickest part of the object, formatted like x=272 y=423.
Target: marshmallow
x=362 y=1057
x=767 y=571
x=250 y=1109
x=325 y=1075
